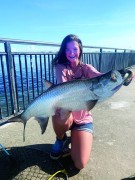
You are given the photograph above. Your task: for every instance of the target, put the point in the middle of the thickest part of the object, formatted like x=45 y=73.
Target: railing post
x=11 y=77
x=100 y=59
x=115 y=55
x=0 y=113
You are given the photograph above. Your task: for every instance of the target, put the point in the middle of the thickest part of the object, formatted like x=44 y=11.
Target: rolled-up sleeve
x=92 y=72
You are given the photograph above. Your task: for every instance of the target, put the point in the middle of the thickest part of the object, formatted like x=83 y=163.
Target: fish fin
x=47 y=84
x=90 y=104
x=43 y=122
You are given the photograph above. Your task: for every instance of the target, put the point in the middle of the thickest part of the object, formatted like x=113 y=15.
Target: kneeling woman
x=69 y=66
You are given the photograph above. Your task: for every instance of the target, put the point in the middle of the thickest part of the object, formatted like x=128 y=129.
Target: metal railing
x=22 y=73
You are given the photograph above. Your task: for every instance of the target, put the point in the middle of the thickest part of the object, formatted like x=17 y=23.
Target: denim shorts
x=83 y=127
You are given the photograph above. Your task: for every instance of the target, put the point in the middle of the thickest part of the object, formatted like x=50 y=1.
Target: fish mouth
x=127 y=76
x=125 y=73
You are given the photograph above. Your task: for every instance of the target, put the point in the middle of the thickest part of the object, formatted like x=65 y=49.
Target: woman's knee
x=62 y=122
x=81 y=144
x=80 y=164
x=58 y=121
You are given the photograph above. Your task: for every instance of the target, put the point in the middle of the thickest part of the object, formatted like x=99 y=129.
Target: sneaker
x=57 y=148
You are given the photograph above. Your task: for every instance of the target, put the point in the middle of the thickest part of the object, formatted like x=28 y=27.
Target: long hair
x=60 y=58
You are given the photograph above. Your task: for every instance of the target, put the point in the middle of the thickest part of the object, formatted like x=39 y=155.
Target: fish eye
x=113 y=77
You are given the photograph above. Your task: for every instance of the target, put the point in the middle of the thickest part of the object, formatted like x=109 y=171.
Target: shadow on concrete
x=129 y=178
x=30 y=162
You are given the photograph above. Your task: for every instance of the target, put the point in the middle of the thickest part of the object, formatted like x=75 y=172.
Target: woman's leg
x=61 y=124
x=81 y=144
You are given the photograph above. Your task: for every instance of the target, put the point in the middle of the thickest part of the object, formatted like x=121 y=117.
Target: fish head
x=108 y=84
x=116 y=80
x=123 y=77
x=111 y=80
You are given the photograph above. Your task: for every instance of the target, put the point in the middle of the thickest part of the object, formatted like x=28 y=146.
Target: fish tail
x=12 y=119
x=24 y=131
x=18 y=119
x=15 y=119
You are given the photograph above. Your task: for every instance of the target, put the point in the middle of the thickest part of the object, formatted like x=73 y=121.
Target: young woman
x=69 y=66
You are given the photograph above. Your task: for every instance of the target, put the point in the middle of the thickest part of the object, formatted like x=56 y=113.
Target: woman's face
x=72 y=51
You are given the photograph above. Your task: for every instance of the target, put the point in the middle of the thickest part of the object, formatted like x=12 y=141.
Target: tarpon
x=72 y=96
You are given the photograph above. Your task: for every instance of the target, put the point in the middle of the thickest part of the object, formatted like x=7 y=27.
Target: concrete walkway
x=113 y=152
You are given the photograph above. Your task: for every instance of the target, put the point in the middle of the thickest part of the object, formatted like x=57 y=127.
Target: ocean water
x=29 y=72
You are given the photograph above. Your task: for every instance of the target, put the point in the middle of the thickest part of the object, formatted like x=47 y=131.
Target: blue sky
x=97 y=22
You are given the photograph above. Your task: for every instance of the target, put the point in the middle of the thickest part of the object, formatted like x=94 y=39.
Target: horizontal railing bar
x=3 y=53
x=32 y=53
x=18 y=41
x=42 y=53
x=41 y=43
x=97 y=47
x=28 y=53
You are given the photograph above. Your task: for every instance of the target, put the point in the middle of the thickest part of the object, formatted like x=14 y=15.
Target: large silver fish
x=72 y=96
